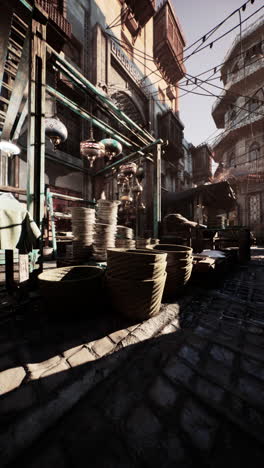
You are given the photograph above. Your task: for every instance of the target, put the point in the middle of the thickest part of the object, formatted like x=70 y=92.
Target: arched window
x=232 y=159
x=235 y=69
x=254 y=152
x=256 y=101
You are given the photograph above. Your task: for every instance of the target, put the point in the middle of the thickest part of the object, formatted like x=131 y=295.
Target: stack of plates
x=124 y=232
x=105 y=228
x=107 y=211
x=124 y=238
x=142 y=243
x=104 y=239
x=83 y=222
x=125 y=243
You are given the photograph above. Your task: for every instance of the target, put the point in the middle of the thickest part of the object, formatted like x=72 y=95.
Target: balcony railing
x=56 y=17
x=143 y=10
x=243 y=120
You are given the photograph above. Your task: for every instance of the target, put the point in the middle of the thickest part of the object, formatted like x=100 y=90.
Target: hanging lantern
x=9 y=148
x=129 y=169
x=112 y=147
x=140 y=173
x=141 y=206
x=137 y=188
x=92 y=150
x=56 y=131
x=122 y=179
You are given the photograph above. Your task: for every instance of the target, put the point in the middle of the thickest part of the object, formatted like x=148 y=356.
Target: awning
x=220 y=196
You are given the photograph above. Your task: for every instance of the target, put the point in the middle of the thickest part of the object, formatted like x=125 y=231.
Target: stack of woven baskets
x=135 y=281
x=124 y=238
x=105 y=228
x=179 y=267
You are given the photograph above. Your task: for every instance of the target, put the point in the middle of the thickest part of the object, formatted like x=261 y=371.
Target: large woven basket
x=146 y=271
x=179 y=267
x=71 y=285
x=137 y=300
x=138 y=256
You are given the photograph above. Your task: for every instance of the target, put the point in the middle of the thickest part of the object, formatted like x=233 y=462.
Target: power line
x=226 y=90
x=223 y=63
x=148 y=57
x=223 y=35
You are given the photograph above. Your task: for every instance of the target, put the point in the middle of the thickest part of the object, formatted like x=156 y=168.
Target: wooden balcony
x=168 y=44
x=171 y=130
x=143 y=10
x=56 y=17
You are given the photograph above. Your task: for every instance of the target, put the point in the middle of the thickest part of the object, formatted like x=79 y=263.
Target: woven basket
x=69 y=285
x=151 y=271
x=139 y=256
x=137 y=300
x=179 y=267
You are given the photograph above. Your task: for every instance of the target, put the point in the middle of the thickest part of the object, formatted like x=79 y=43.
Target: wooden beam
x=5 y=25
x=19 y=86
x=9 y=188
x=36 y=116
x=18 y=126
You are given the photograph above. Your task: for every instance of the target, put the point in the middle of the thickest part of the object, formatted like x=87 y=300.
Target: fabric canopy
x=220 y=196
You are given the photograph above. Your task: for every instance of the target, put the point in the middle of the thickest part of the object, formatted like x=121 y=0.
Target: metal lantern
x=9 y=148
x=137 y=188
x=129 y=169
x=112 y=147
x=140 y=173
x=56 y=131
x=91 y=149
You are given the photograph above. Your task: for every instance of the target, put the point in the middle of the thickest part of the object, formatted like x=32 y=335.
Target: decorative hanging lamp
x=9 y=148
x=137 y=188
x=92 y=150
x=56 y=131
x=112 y=147
x=140 y=172
x=129 y=169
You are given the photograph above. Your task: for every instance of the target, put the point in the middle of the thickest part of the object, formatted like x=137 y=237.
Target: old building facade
x=132 y=53
x=239 y=111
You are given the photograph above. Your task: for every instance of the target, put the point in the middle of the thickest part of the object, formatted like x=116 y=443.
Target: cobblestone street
x=184 y=388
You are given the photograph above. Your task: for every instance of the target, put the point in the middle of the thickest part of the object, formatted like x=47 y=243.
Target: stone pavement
x=184 y=388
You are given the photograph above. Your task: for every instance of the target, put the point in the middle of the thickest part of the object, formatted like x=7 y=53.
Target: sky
x=197 y=17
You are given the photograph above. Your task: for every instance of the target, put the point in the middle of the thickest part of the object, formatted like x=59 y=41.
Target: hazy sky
x=197 y=17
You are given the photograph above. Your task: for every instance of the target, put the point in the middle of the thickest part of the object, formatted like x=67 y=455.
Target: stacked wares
x=179 y=266
x=83 y=222
x=124 y=238
x=135 y=281
x=105 y=228
x=142 y=243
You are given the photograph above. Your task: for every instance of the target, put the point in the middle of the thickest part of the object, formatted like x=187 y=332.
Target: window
x=254 y=152
x=235 y=69
x=3 y=169
x=232 y=159
x=74 y=51
x=253 y=52
x=256 y=101
x=254 y=209
x=232 y=112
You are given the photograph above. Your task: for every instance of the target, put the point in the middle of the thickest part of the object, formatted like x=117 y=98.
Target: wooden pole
x=157 y=192
x=36 y=113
